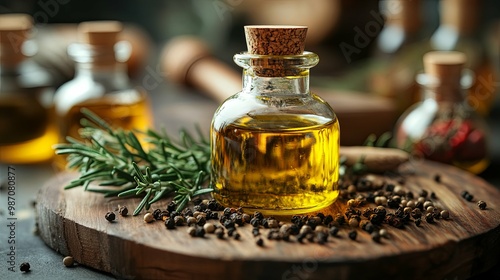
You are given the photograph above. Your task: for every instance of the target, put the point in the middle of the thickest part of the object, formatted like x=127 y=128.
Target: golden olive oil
x=277 y=164
x=27 y=127
x=128 y=113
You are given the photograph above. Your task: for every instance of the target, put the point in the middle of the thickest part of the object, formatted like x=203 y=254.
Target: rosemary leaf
x=115 y=163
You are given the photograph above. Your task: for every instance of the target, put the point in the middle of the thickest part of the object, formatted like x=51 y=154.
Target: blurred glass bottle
x=458 y=32
x=443 y=127
x=27 y=128
x=101 y=83
x=398 y=53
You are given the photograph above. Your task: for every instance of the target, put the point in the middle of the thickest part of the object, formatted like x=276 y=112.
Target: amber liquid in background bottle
x=101 y=85
x=275 y=145
x=127 y=110
x=27 y=123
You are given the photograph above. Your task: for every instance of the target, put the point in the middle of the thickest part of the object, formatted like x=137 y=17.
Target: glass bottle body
x=103 y=88
x=445 y=129
x=27 y=121
x=275 y=145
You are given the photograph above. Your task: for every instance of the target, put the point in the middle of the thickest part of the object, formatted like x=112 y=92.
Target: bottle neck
x=445 y=93
x=115 y=73
x=276 y=86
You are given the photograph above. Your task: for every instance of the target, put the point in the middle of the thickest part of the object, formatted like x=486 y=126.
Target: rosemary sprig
x=121 y=166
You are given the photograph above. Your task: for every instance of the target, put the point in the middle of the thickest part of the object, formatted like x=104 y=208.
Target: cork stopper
x=460 y=14
x=403 y=13
x=14 y=31
x=446 y=66
x=275 y=39
x=99 y=33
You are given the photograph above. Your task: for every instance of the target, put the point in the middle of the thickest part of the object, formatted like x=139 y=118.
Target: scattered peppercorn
x=25 y=267
x=68 y=261
x=418 y=221
x=110 y=216
x=445 y=214
x=437 y=178
x=255 y=231
x=179 y=220
x=353 y=234
x=334 y=231
x=123 y=210
x=481 y=204
x=469 y=197
x=199 y=231
x=236 y=236
x=170 y=223
x=259 y=242
x=429 y=218
x=219 y=232
x=148 y=217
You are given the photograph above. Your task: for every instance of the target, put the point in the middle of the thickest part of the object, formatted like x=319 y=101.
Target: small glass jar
x=27 y=124
x=275 y=145
x=443 y=127
x=101 y=84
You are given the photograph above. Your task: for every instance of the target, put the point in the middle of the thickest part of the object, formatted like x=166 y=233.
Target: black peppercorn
x=393 y=204
x=259 y=242
x=481 y=204
x=24 y=267
x=197 y=208
x=200 y=232
x=464 y=193
x=322 y=237
x=214 y=216
x=334 y=231
x=171 y=206
x=219 y=232
x=327 y=220
x=433 y=195
x=429 y=218
x=255 y=222
x=228 y=224
x=123 y=210
x=258 y=215
x=255 y=231
x=201 y=220
x=353 y=234
x=231 y=231
x=236 y=236
x=423 y=193
x=169 y=223
x=418 y=221
x=390 y=187
x=469 y=197
x=294 y=229
x=110 y=216
x=187 y=213
x=437 y=178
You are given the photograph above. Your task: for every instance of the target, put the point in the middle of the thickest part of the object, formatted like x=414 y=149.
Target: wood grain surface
x=72 y=222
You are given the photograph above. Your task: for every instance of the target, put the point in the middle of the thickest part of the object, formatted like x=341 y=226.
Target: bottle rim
x=86 y=53
x=305 y=60
x=427 y=81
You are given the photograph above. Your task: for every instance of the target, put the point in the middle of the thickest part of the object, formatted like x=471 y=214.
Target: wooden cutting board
x=72 y=223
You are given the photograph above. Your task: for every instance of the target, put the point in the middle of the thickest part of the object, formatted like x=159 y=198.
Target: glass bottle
x=458 y=32
x=398 y=53
x=443 y=127
x=27 y=124
x=101 y=83
x=275 y=145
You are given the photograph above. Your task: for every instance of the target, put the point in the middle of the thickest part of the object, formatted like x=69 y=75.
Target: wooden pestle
x=187 y=60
